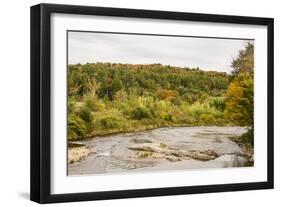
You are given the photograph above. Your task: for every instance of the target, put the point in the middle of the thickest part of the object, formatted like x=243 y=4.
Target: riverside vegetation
x=109 y=98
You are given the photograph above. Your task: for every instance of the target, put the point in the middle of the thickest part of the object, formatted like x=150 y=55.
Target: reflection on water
x=163 y=149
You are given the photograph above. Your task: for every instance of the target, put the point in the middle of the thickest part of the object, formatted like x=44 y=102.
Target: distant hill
x=149 y=77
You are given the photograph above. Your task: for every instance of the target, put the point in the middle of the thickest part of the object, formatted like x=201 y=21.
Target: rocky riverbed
x=174 y=148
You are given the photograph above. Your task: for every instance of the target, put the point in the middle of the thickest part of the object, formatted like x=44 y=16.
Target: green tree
x=117 y=85
x=244 y=63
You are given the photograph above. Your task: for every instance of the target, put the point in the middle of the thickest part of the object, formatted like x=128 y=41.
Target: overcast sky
x=205 y=53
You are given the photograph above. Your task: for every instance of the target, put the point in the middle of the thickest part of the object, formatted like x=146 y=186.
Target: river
x=175 y=148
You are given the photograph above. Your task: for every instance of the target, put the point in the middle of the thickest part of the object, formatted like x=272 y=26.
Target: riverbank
x=246 y=142
x=76 y=152
x=139 y=128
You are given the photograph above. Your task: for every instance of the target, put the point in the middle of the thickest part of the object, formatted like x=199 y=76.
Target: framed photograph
x=133 y=103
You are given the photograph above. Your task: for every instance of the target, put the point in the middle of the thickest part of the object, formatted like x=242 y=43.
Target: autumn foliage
x=240 y=93
x=106 y=98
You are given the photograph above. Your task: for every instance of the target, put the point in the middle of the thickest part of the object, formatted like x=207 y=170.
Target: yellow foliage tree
x=240 y=93
x=240 y=100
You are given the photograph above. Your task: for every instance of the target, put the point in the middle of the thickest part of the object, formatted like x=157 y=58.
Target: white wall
x=14 y=102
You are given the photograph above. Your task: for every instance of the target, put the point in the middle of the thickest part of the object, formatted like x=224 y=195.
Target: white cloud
x=206 y=53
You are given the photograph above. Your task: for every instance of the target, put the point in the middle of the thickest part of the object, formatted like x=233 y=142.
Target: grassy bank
x=142 y=115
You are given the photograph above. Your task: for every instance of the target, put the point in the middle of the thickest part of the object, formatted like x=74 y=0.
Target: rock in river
x=171 y=154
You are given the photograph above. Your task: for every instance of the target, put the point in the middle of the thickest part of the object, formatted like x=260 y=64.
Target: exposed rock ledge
x=77 y=153
x=160 y=150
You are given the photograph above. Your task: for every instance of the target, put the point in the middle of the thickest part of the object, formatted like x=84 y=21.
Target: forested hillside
x=105 y=98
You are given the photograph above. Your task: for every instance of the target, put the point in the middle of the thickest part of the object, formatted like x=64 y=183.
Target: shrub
x=203 y=98
x=94 y=104
x=86 y=114
x=70 y=105
x=248 y=137
x=163 y=106
x=176 y=101
x=217 y=102
x=109 y=122
x=207 y=119
x=164 y=94
x=76 y=127
x=196 y=109
x=189 y=97
x=140 y=113
x=166 y=116
x=120 y=96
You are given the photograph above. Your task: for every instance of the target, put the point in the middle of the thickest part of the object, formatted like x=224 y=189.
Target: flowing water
x=117 y=153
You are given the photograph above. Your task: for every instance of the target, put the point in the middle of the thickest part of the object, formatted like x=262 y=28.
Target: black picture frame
x=40 y=176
